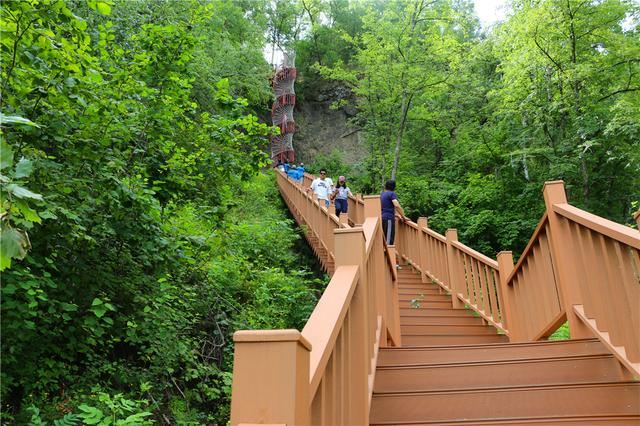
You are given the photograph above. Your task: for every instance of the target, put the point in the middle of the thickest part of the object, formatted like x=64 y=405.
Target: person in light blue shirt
x=341 y=196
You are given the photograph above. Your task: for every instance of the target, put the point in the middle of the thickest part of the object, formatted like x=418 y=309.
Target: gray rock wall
x=321 y=129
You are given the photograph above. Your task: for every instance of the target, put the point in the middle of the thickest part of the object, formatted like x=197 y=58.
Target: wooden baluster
x=453 y=269
x=491 y=288
x=344 y=220
x=270 y=378
x=484 y=284
x=563 y=255
x=505 y=268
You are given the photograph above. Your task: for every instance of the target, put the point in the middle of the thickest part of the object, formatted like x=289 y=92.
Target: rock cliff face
x=320 y=129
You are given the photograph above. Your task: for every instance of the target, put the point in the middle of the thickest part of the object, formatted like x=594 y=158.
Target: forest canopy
x=138 y=225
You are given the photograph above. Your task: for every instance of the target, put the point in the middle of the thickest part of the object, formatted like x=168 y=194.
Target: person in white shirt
x=322 y=187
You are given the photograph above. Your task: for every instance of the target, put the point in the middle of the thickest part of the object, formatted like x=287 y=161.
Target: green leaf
x=6 y=155
x=90 y=415
x=13 y=244
x=23 y=168
x=22 y=192
x=69 y=307
x=9 y=289
x=98 y=308
x=48 y=214
x=14 y=119
x=28 y=213
x=103 y=8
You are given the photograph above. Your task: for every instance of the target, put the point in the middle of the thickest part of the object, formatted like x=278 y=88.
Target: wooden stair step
x=602 y=420
x=403 y=284
x=411 y=340
x=434 y=290
x=437 y=312
x=586 y=399
x=489 y=352
x=404 y=289
x=562 y=370
x=405 y=304
x=417 y=280
x=440 y=320
x=424 y=297
x=449 y=329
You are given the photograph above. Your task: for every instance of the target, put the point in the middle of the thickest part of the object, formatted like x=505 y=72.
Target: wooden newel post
x=562 y=253
x=270 y=378
x=371 y=206
x=452 y=268
x=351 y=250
x=505 y=268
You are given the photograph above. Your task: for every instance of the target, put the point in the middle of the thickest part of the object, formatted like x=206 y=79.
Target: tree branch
x=535 y=39
x=617 y=92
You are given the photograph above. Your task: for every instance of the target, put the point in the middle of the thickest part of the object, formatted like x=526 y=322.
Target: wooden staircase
x=452 y=369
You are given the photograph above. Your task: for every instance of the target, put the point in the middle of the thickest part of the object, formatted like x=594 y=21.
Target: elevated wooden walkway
x=452 y=337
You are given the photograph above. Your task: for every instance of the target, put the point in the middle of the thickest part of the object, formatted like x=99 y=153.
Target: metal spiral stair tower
x=282 y=109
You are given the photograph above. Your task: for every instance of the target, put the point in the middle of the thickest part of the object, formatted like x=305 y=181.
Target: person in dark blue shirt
x=389 y=204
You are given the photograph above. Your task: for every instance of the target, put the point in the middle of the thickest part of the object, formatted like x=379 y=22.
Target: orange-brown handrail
x=576 y=267
x=325 y=374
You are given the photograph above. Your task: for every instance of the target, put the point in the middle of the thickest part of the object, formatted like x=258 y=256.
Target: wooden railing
x=577 y=267
x=317 y=221
x=324 y=374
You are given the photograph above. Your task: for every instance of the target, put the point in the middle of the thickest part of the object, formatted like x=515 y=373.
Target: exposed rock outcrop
x=321 y=129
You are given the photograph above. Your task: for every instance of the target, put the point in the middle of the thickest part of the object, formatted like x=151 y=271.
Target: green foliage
x=113 y=410
x=127 y=161
x=561 y=333
x=137 y=233
x=473 y=124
